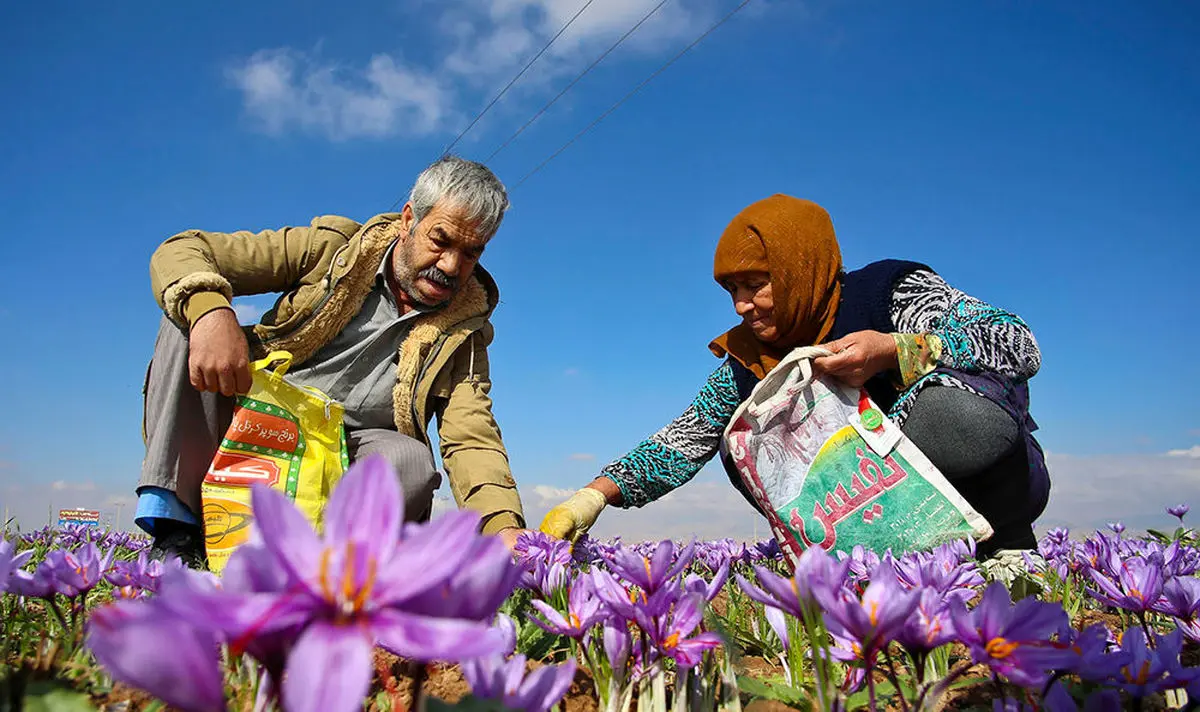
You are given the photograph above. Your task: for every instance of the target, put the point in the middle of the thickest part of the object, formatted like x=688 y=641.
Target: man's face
x=435 y=257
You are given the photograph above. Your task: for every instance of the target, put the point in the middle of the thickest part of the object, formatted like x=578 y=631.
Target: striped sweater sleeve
x=672 y=456
x=974 y=335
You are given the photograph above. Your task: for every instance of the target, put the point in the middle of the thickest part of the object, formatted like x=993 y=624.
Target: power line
x=514 y=79
x=508 y=86
x=575 y=81
x=635 y=90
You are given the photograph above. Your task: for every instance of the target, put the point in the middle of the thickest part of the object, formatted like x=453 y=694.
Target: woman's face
x=752 y=300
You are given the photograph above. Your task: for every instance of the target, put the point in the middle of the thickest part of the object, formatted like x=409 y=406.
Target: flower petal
x=329 y=670
x=367 y=507
x=437 y=550
x=127 y=639
x=435 y=639
x=286 y=533
x=545 y=687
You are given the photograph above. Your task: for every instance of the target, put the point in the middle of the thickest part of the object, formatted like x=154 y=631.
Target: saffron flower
x=584 y=610
x=1137 y=586
x=1059 y=700
x=10 y=562
x=929 y=626
x=494 y=678
x=75 y=573
x=650 y=572
x=873 y=621
x=790 y=595
x=671 y=633
x=320 y=605
x=1152 y=670
x=1178 y=511
x=1013 y=640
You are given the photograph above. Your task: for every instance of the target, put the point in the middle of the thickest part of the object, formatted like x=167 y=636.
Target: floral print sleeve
x=972 y=335
x=672 y=456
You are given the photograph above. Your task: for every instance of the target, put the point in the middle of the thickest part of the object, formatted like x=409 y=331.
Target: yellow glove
x=571 y=519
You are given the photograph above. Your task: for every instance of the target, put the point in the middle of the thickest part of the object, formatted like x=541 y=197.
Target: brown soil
x=1089 y=617
x=446 y=682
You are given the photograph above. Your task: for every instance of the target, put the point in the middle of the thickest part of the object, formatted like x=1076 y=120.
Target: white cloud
x=548 y=496
x=1192 y=452
x=486 y=43
x=65 y=486
x=1088 y=491
x=247 y=313
x=284 y=89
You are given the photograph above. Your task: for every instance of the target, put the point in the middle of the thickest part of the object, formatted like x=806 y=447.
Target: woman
x=950 y=369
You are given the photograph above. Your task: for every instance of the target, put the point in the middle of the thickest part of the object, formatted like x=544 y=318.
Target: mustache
x=433 y=274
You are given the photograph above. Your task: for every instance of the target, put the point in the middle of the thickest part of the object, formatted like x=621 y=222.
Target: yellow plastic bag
x=289 y=438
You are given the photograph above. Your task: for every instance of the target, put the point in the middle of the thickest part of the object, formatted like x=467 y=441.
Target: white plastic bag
x=830 y=469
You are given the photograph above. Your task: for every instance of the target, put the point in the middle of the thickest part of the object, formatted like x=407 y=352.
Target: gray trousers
x=184 y=427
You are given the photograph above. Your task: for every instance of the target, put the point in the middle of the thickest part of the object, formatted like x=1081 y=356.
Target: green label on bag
x=853 y=496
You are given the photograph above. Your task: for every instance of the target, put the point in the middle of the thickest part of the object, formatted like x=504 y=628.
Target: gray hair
x=468 y=185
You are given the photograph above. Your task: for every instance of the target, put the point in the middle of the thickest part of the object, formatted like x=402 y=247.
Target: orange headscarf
x=793 y=240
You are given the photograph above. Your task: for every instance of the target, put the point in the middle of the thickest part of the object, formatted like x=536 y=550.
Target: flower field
x=377 y=614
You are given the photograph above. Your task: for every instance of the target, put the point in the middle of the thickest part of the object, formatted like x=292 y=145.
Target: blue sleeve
x=159 y=503
x=672 y=456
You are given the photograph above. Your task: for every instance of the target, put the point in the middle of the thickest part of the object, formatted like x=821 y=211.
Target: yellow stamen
x=873 y=612
x=1000 y=648
x=647 y=563
x=1135 y=593
x=671 y=641
x=323 y=575
x=349 y=564
x=573 y=620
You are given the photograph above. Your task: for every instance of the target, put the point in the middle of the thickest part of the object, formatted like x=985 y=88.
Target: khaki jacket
x=325 y=271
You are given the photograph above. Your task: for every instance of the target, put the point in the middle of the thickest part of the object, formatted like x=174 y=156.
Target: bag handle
x=284 y=358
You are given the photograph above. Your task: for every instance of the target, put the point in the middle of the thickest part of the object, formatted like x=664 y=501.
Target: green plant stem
x=891 y=673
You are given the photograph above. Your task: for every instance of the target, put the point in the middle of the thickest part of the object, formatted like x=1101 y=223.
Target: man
x=390 y=318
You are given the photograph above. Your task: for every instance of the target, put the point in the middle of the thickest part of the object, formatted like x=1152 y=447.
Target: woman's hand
x=572 y=519
x=858 y=357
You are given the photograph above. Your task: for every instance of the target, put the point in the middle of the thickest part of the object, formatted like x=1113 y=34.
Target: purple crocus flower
x=1178 y=511
x=494 y=678
x=709 y=589
x=127 y=638
x=75 y=573
x=10 y=562
x=873 y=621
x=1180 y=559
x=1011 y=639
x=814 y=569
x=1137 y=586
x=671 y=633
x=1152 y=670
x=584 y=610
x=1086 y=653
x=617 y=644
x=651 y=571
x=929 y=625
x=1117 y=527
x=1180 y=598
x=349 y=590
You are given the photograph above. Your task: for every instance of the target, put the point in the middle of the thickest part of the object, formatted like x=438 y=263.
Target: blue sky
x=1042 y=156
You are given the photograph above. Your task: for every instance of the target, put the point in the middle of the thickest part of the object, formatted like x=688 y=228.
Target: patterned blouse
x=936 y=324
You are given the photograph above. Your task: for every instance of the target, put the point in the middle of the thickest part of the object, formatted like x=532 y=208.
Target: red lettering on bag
x=236 y=468
x=253 y=428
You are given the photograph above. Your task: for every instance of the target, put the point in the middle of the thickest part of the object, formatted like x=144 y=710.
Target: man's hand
x=857 y=357
x=572 y=519
x=218 y=355
x=509 y=536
